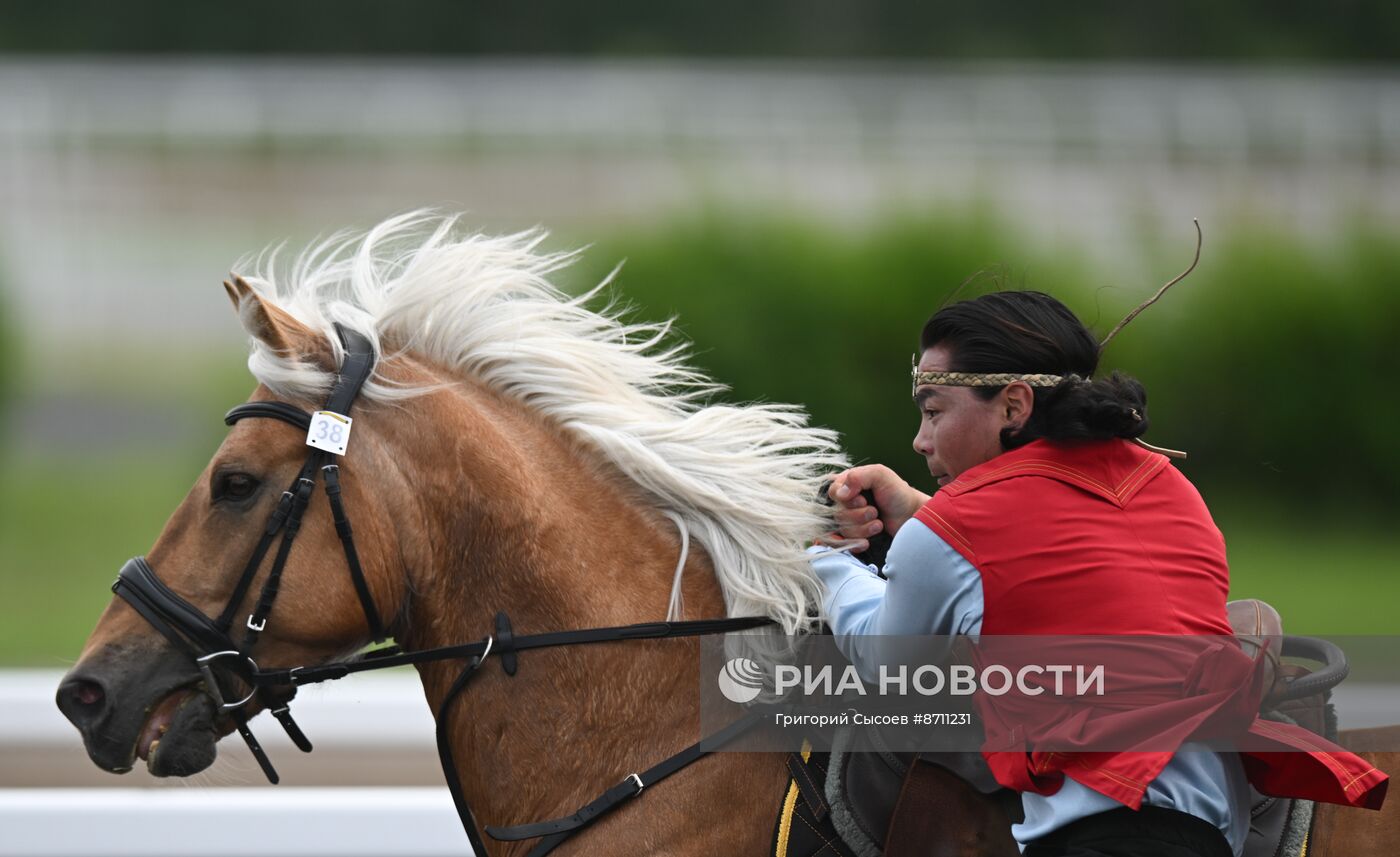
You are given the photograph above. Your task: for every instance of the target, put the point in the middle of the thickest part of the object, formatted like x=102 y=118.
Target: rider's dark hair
x=1032 y=333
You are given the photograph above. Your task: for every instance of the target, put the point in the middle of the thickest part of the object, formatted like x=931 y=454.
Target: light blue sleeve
x=931 y=590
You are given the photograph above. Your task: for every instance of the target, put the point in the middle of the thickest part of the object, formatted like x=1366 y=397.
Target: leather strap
x=283 y=713
x=299 y=676
x=505 y=643
x=352 y=556
x=355 y=370
x=585 y=815
x=630 y=787
x=270 y=410
x=240 y=720
x=174 y=617
x=806 y=780
x=257 y=619
x=444 y=748
x=250 y=570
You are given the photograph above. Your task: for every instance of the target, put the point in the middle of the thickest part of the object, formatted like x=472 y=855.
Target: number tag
x=329 y=431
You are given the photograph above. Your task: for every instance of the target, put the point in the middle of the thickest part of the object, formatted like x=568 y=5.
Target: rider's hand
x=896 y=501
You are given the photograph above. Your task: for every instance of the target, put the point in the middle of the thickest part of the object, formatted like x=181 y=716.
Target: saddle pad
x=803 y=827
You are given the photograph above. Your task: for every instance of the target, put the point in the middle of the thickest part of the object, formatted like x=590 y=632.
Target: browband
x=354 y=372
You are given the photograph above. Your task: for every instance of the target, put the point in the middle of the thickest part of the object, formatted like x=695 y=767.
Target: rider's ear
x=274 y=326
x=1019 y=400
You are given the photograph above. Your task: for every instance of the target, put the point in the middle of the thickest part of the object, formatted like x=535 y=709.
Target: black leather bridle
x=227 y=665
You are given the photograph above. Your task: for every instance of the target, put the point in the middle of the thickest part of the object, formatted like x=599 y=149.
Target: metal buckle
x=257 y=627
x=636 y=778
x=211 y=683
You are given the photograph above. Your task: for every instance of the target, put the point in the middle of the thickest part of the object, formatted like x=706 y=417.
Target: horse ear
x=233 y=294
x=274 y=326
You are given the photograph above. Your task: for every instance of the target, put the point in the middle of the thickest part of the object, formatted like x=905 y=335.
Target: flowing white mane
x=743 y=478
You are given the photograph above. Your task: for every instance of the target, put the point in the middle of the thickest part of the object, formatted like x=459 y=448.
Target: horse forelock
x=743 y=477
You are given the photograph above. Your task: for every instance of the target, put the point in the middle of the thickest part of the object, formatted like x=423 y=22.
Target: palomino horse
x=513 y=451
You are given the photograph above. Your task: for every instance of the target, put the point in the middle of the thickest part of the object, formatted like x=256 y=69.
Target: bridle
x=224 y=663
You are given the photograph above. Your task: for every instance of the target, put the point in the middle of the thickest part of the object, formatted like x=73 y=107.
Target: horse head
x=136 y=694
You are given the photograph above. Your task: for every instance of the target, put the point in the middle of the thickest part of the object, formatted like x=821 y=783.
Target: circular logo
x=740 y=680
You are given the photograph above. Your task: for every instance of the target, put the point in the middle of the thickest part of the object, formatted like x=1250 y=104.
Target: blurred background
x=801 y=184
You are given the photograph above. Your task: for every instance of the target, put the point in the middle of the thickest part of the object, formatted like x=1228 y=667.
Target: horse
x=513 y=451
x=517 y=464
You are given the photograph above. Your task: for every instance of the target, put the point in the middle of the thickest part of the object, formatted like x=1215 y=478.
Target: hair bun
x=1115 y=406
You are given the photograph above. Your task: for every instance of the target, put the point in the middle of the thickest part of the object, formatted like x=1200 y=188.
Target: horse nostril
x=88 y=692
x=81 y=700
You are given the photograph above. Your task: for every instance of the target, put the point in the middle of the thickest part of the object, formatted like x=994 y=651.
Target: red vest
x=1105 y=538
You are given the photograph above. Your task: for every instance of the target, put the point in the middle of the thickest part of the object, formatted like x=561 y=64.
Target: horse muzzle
x=145 y=704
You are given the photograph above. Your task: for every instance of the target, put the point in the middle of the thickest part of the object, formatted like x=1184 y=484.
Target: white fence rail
x=369 y=731
x=408 y=822
x=366 y=731
x=384 y=710
x=109 y=167
x=688 y=107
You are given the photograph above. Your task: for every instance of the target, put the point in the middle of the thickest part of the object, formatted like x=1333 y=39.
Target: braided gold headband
x=983 y=379
x=1001 y=379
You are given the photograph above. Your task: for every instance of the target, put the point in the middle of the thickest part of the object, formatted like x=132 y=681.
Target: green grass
x=66 y=526
x=1323 y=581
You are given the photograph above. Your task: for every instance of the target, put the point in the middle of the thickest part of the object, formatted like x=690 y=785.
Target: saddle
x=866 y=801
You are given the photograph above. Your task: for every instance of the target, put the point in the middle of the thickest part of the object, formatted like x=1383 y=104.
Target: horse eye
x=234 y=486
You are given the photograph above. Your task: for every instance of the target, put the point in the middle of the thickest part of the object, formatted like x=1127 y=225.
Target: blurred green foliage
x=9 y=361
x=1269 y=364
x=66 y=526
x=60 y=549
x=1276 y=372
x=787 y=310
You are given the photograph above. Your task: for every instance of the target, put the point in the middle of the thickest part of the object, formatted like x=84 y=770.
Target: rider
x=1050 y=517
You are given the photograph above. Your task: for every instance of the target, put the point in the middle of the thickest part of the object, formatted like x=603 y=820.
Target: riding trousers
x=1153 y=831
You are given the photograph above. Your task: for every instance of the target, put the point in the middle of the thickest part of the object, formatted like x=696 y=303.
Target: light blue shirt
x=932 y=589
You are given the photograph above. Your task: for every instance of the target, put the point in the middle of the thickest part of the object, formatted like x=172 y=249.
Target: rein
x=209 y=642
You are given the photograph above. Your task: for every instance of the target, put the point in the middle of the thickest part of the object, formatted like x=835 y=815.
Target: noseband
x=224 y=663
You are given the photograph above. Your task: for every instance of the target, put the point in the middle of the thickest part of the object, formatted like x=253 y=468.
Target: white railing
x=382 y=713
x=978 y=110
x=382 y=710
x=410 y=822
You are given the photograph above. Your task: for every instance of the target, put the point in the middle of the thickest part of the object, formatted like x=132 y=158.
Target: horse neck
x=519 y=518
